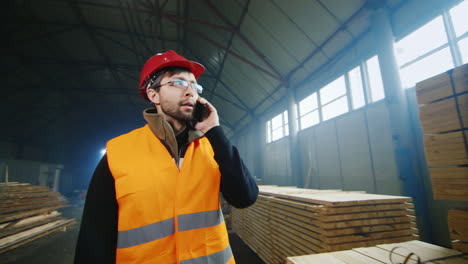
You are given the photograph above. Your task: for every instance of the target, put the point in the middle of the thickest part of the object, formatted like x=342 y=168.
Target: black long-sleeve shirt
x=97 y=239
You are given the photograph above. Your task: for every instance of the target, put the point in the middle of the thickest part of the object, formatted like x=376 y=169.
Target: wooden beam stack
x=386 y=253
x=443 y=113
x=458 y=227
x=289 y=221
x=27 y=212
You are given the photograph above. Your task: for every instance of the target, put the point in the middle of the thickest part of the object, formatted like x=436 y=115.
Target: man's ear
x=153 y=95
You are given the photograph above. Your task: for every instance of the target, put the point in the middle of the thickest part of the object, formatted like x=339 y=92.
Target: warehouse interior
x=347 y=73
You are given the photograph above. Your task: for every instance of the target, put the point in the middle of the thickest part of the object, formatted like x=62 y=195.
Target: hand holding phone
x=199 y=113
x=205 y=115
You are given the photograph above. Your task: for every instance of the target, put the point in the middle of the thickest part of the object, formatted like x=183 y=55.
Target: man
x=154 y=197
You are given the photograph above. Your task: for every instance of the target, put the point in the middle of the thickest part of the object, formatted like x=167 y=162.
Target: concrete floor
x=59 y=247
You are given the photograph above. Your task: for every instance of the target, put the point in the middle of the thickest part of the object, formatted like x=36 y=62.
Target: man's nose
x=189 y=91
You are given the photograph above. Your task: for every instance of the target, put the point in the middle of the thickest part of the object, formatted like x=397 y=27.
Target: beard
x=174 y=111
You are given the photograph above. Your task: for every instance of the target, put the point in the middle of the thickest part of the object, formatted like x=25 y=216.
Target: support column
x=402 y=135
x=260 y=139
x=295 y=157
x=57 y=178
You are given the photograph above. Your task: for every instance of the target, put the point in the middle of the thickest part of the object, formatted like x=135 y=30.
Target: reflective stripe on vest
x=145 y=234
x=222 y=256
x=200 y=220
x=161 y=229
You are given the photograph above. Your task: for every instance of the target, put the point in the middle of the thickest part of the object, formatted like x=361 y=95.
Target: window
x=421 y=54
x=426 y=52
x=308 y=111
x=357 y=90
x=463 y=45
x=460 y=26
x=458 y=15
x=344 y=93
x=427 y=67
x=375 y=79
x=420 y=42
x=277 y=127
x=333 y=99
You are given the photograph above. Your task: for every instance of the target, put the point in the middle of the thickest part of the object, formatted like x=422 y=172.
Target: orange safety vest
x=167 y=215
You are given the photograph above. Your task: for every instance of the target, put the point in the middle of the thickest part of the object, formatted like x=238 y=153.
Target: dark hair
x=168 y=71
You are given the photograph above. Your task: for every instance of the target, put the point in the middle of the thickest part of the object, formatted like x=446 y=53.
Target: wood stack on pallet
x=288 y=221
x=387 y=253
x=458 y=227
x=27 y=212
x=444 y=120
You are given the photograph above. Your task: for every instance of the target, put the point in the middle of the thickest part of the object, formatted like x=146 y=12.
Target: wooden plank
x=23 y=189
x=347 y=198
x=316 y=258
x=458 y=224
x=342 y=217
x=20 y=209
x=28 y=220
x=353 y=257
x=5 y=204
x=433 y=88
x=369 y=243
x=9 y=242
x=424 y=250
x=16 y=215
x=449 y=173
x=368 y=222
x=4 y=196
x=21 y=228
x=370 y=236
x=460 y=77
x=460 y=246
x=383 y=256
x=326 y=210
x=439 y=117
x=445 y=149
x=463 y=106
x=449 y=197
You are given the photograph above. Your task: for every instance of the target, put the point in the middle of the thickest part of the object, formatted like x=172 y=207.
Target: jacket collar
x=163 y=130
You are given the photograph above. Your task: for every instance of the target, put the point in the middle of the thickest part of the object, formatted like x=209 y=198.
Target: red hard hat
x=167 y=59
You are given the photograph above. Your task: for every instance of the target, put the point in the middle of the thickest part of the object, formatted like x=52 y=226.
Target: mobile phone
x=199 y=113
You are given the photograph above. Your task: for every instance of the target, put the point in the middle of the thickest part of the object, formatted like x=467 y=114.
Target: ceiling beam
x=243 y=59
x=49 y=33
x=325 y=42
x=93 y=27
x=228 y=48
x=138 y=56
x=100 y=49
x=247 y=42
x=228 y=89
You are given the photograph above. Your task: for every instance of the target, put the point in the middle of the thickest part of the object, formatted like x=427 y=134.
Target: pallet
x=286 y=221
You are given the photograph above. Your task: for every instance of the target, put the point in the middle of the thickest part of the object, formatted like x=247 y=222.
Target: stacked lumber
x=386 y=253
x=28 y=212
x=288 y=221
x=458 y=227
x=443 y=113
